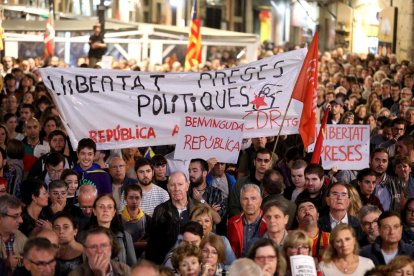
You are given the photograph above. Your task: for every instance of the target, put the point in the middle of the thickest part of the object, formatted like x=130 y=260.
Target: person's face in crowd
x=407 y=270
x=177 y=187
x=390 y=230
x=336 y=109
x=338 y=198
x=307 y=214
x=85 y=157
x=263 y=162
x=406 y=94
x=160 y=171
x=59 y=195
x=2 y=136
x=189 y=266
x=367 y=185
x=49 y=126
x=403 y=171
x=26 y=114
x=12 y=103
x=250 y=201
x=376 y=106
x=410 y=117
x=298 y=177
x=408 y=81
x=395 y=92
x=145 y=175
x=3 y=185
x=403 y=107
x=11 y=124
x=409 y=217
x=298 y=249
x=379 y=163
x=117 y=169
x=104 y=210
x=386 y=88
x=387 y=133
x=219 y=169
x=73 y=183
x=196 y=174
x=266 y=258
x=313 y=183
x=356 y=89
x=28 y=98
x=40 y=262
x=349 y=120
x=43 y=199
x=190 y=238
x=259 y=142
x=362 y=112
x=372 y=122
x=369 y=225
x=209 y=255
x=65 y=231
x=7 y=62
x=55 y=171
x=144 y=270
x=276 y=221
x=86 y=204
x=398 y=130
x=10 y=222
x=206 y=222
x=344 y=243
x=329 y=97
x=98 y=246
x=32 y=129
x=133 y=200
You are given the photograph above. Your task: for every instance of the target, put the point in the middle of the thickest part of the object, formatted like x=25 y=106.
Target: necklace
x=347 y=266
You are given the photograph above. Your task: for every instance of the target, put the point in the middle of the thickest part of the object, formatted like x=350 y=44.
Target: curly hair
x=185 y=250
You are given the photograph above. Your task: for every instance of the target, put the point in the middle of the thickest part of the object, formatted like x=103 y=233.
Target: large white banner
x=121 y=109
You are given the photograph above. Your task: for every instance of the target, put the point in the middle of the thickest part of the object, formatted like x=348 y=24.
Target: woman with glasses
x=264 y=252
x=104 y=215
x=70 y=252
x=58 y=192
x=342 y=257
x=213 y=256
x=296 y=243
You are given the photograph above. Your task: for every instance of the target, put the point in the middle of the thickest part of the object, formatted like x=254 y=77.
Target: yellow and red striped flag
x=193 y=55
x=49 y=35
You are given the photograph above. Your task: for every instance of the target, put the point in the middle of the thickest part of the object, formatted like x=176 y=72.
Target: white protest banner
x=119 y=109
x=345 y=146
x=302 y=265
x=206 y=137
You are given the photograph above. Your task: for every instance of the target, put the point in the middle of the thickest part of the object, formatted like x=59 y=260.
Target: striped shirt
x=153 y=198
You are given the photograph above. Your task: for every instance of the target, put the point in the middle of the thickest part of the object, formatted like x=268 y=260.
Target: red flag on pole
x=316 y=155
x=305 y=91
x=49 y=35
x=193 y=55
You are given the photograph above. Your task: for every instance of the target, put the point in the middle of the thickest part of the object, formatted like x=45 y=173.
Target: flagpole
x=281 y=126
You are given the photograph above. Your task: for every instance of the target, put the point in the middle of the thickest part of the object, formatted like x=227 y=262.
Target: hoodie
x=97 y=176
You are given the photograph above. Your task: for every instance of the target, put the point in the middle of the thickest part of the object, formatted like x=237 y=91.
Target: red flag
x=316 y=155
x=305 y=91
x=193 y=55
x=49 y=35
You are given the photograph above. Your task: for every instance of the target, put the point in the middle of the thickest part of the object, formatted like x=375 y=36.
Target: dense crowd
x=120 y=212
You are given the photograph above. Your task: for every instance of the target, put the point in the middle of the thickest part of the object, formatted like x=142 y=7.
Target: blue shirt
x=383 y=194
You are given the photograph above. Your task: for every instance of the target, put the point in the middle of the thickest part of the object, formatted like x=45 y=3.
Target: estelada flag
x=316 y=155
x=193 y=54
x=305 y=91
x=49 y=35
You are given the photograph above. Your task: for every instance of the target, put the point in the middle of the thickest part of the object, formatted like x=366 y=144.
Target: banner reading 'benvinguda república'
x=120 y=109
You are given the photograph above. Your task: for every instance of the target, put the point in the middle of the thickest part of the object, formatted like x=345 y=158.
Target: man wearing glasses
x=368 y=218
x=338 y=200
x=98 y=250
x=39 y=257
x=54 y=166
x=11 y=239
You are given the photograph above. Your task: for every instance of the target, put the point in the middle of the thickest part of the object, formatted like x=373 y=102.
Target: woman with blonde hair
x=296 y=243
x=213 y=256
x=400 y=265
x=342 y=257
x=356 y=203
x=375 y=107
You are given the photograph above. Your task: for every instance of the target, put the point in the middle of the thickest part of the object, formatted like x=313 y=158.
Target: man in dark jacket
x=389 y=243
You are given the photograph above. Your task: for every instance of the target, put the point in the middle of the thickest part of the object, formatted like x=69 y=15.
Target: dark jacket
x=373 y=251
x=324 y=223
x=396 y=190
x=318 y=201
x=166 y=225
x=120 y=269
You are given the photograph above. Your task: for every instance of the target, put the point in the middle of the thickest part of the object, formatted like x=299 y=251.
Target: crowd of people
x=118 y=212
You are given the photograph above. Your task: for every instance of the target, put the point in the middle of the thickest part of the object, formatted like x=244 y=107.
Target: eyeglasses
x=84 y=208
x=117 y=167
x=107 y=207
x=260 y=160
x=208 y=252
x=264 y=258
x=95 y=247
x=340 y=195
x=15 y=217
x=43 y=263
x=298 y=248
x=370 y=223
x=61 y=193
x=53 y=171
x=410 y=211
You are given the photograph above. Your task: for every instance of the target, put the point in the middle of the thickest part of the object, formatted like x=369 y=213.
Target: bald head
x=86 y=198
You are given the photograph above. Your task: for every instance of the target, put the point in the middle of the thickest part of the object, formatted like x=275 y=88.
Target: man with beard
x=152 y=195
x=389 y=189
x=368 y=218
x=307 y=216
x=338 y=200
x=200 y=191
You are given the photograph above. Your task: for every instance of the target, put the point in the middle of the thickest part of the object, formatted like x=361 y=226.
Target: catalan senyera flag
x=193 y=55
x=305 y=91
x=49 y=35
x=316 y=155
